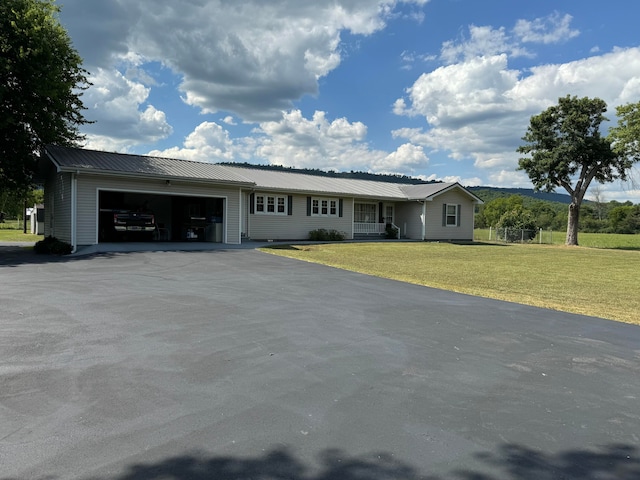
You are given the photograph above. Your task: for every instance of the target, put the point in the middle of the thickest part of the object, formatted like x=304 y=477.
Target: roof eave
x=82 y=170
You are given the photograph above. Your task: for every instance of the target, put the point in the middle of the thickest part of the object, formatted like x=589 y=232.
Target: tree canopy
x=567 y=150
x=41 y=82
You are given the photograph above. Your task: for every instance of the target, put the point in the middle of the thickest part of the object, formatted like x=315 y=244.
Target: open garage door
x=136 y=216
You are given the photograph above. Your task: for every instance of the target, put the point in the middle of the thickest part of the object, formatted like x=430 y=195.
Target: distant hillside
x=490 y=193
x=333 y=174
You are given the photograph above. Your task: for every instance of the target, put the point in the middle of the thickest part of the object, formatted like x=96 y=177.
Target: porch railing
x=372 y=228
x=369 y=228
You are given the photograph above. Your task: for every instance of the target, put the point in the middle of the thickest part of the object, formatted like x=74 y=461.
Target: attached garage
x=189 y=201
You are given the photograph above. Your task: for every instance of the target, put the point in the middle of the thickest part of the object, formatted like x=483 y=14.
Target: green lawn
x=590 y=281
x=592 y=240
x=11 y=231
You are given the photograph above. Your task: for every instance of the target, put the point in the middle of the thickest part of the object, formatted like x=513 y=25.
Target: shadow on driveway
x=510 y=461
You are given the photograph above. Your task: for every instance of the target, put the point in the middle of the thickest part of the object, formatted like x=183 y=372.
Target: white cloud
x=489 y=41
x=296 y=141
x=483 y=41
x=252 y=58
x=123 y=119
x=209 y=142
x=554 y=28
x=480 y=108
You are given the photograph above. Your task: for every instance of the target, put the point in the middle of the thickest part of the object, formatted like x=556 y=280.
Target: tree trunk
x=572 y=223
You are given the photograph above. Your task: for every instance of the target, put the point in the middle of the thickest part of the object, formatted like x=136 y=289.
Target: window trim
x=271 y=200
x=446 y=216
x=318 y=205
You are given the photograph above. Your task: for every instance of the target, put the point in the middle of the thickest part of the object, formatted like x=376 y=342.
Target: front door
x=388 y=214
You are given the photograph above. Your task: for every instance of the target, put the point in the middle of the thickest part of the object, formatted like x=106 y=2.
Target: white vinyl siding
x=298 y=225
x=87 y=211
x=435 y=230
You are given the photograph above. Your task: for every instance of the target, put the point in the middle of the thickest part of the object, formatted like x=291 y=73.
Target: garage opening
x=134 y=217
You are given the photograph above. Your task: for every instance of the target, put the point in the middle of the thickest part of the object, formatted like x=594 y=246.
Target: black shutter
x=458 y=215
x=380 y=213
x=308 y=206
x=252 y=202
x=290 y=205
x=444 y=214
x=340 y=207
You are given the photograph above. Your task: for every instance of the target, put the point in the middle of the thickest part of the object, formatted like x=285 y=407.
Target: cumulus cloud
x=483 y=41
x=122 y=117
x=251 y=58
x=296 y=141
x=554 y=28
x=331 y=145
x=209 y=142
x=480 y=108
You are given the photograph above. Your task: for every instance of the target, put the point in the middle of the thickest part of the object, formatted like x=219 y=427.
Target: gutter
x=233 y=183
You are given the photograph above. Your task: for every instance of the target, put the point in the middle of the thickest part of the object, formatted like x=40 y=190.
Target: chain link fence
x=518 y=235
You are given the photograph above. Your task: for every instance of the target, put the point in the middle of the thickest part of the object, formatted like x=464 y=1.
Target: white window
x=451 y=215
x=270 y=205
x=324 y=207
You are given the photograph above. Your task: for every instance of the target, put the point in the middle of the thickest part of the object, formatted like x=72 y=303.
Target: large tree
x=41 y=82
x=625 y=137
x=567 y=150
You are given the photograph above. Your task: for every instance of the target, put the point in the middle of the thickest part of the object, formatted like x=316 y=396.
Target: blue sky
x=437 y=89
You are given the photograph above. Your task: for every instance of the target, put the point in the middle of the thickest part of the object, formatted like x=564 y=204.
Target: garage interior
x=177 y=218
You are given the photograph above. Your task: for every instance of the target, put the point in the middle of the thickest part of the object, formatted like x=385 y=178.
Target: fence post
x=540 y=239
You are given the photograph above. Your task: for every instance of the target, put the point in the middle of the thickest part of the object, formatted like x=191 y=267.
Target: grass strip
x=589 y=281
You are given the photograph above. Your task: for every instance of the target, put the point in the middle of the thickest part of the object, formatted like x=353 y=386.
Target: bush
x=52 y=245
x=323 y=235
x=517 y=225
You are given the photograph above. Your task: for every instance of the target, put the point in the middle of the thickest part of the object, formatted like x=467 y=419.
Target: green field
x=591 y=281
x=11 y=231
x=591 y=240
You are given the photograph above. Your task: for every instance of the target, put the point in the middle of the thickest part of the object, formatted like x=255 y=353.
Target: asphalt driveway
x=243 y=365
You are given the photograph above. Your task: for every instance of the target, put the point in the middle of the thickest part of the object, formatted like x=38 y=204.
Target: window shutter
x=444 y=214
x=458 y=216
x=252 y=202
x=380 y=213
x=290 y=205
x=340 y=207
x=308 y=206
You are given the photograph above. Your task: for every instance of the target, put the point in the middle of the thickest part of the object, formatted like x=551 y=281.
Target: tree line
x=522 y=212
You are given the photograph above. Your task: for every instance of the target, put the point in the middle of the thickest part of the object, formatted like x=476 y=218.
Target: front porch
x=362 y=229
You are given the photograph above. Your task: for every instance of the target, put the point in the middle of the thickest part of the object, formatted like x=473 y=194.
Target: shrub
x=323 y=235
x=52 y=245
x=391 y=231
x=517 y=225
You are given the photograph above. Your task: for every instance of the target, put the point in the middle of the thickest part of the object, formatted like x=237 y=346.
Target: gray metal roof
x=78 y=159
x=300 y=182
x=106 y=163
x=429 y=190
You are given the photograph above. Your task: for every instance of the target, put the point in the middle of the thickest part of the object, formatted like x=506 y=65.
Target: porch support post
x=424 y=219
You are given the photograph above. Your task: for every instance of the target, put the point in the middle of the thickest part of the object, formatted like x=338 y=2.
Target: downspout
x=74 y=211
x=424 y=218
